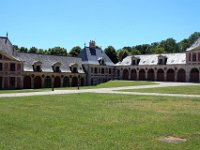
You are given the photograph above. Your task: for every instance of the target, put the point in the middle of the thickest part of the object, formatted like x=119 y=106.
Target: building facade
x=92 y=66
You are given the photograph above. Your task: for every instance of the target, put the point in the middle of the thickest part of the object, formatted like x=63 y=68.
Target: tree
x=157 y=50
x=122 y=53
x=169 y=45
x=135 y=52
x=33 y=50
x=75 y=51
x=183 y=45
x=57 y=51
x=111 y=53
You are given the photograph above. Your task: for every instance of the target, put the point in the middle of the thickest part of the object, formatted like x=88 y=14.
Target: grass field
x=98 y=121
x=114 y=83
x=194 y=89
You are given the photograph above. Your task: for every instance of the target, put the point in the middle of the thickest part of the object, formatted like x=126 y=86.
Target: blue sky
x=68 y=23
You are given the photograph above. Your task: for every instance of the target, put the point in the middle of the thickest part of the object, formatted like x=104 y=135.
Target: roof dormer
x=101 y=61
x=37 y=66
x=135 y=60
x=73 y=67
x=56 y=67
x=162 y=60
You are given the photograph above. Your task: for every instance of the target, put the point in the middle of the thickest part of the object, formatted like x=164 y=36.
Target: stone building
x=92 y=66
x=27 y=70
x=181 y=67
x=97 y=65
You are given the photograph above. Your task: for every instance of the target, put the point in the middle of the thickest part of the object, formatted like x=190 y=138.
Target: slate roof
x=91 y=56
x=194 y=46
x=48 y=61
x=152 y=59
x=6 y=46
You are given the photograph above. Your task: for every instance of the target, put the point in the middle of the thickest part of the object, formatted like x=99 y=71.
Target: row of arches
x=170 y=75
x=48 y=81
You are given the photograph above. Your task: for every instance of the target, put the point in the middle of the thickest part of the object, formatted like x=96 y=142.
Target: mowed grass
x=113 y=83
x=98 y=121
x=194 y=89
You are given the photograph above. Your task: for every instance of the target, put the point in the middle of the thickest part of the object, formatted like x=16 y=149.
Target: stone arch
x=160 y=75
x=66 y=82
x=125 y=74
x=74 y=81
x=37 y=82
x=150 y=75
x=194 y=75
x=57 y=81
x=170 y=75
x=47 y=82
x=27 y=82
x=141 y=74
x=181 y=76
x=133 y=74
x=82 y=81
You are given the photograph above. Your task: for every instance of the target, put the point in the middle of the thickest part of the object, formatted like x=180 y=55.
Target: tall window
x=12 y=67
x=12 y=82
x=194 y=57
x=95 y=70
x=1 y=66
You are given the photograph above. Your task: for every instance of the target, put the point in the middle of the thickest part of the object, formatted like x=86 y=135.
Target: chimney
x=92 y=44
x=6 y=37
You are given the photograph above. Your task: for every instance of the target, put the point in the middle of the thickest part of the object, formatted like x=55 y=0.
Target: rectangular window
x=134 y=62
x=12 y=67
x=194 y=57
x=38 y=68
x=57 y=69
x=160 y=62
x=95 y=70
x=12 y=82
x=1 y=66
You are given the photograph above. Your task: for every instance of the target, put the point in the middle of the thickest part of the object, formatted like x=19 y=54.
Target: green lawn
x=114 y=83
x=98 y=121
x=194 y=89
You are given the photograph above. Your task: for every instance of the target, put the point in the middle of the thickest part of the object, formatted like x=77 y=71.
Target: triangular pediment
x=6 y=57
x=195 y=46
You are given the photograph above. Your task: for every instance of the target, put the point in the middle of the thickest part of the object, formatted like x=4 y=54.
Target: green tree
x=169 y=45
x=33 y=50
x=157 y=50
x=111 y=53
x=75 y=51
x=57 y=51
x=121 y=54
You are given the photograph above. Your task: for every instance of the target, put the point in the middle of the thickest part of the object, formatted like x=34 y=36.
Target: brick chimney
x=92 y=44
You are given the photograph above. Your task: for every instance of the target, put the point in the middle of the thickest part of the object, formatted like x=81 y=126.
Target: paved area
x=113 y=90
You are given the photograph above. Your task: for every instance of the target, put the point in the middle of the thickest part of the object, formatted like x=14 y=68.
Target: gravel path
x=110 y=90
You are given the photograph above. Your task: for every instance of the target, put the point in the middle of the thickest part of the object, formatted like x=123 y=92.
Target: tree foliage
x=75 y=51
x=111 y=52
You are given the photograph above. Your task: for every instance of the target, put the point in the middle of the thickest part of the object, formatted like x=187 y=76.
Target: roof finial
x=7 y=34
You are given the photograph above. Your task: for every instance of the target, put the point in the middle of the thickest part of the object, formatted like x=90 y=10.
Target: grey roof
x=194 y=46
x=91 y=56
x=48 y=61
x=6 y=46
x=152 y=59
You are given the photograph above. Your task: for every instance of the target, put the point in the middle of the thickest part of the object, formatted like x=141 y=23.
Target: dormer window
x=135 y=61
x=101 y=61
x=162 y=60
x=37 y=66
x=56 y=67
x=73 y=67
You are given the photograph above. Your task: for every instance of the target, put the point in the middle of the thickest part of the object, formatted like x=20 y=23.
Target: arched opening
x=74 y=81
x=133 y=74
x=125 y=74
x=92 y=82
x=181 y=75
x=160 y=75
x=194 y=75
x=27 y=82
x=150 y=75
x=66 y=82
x=37 y=82
x=82 y=82
x=142 y=74
x=47 y=82
x=170 y=75
x=57 y=82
